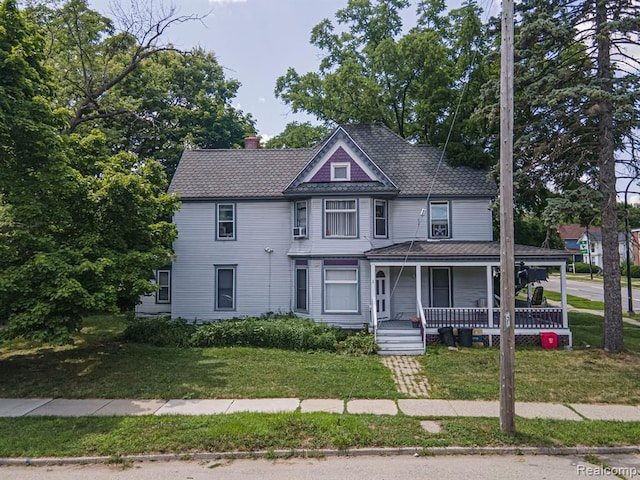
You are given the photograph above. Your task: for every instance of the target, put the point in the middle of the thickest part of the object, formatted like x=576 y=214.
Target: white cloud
x=218 y=2
x=262 y=100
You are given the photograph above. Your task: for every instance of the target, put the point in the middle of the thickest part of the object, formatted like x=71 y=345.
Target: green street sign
x=583 y=247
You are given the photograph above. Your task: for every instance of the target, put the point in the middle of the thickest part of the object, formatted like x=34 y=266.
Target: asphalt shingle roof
x=416 y=170
x=462 y=250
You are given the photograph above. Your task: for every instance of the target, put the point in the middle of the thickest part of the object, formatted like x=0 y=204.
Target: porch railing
x=526 y=318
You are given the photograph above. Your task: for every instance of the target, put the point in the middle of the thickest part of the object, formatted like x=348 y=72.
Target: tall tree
x=80 y=230
x=579 y=98
x=414 y=82
x=298 y=135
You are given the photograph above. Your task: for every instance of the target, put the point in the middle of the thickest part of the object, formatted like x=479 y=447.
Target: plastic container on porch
x=465 y=337
x=549 y=339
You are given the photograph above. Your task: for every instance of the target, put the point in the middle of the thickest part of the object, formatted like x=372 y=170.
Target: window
x=163 y=279
x=300 y=219
x=380 y=218
x=226 y=221
x=440 y=287
x=439 y=218
x=341 y=287
x=225 y=288
x=341 y=219
x=302 y=278
x=340 y=172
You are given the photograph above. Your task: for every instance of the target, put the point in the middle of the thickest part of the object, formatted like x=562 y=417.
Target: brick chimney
x=251 y=142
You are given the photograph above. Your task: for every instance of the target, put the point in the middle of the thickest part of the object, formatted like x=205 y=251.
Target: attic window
x=340 y=172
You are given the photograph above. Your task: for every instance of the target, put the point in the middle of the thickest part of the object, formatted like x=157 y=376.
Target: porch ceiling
x=462 y=251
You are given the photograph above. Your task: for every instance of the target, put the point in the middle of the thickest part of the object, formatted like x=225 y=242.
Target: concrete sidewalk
x=31 y=407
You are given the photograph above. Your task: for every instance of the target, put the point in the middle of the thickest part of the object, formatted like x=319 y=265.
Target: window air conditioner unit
x=299 y=232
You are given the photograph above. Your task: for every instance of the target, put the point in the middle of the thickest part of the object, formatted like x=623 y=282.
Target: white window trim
x=296 y=222
x=355 y=282
x=448 y=205
x=343 y=210
x=305 y=268
x=216 y=307
x=335 y=165
x=168 y=286
x=233 y=235
x=386 y=219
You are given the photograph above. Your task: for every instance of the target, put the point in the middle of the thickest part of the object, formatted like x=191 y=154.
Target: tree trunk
x=612 y=335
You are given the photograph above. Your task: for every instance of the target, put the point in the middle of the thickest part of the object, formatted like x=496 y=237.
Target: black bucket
x=465 y=337
x=446 y=336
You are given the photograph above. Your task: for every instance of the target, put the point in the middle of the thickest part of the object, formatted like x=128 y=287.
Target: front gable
x=341 y=166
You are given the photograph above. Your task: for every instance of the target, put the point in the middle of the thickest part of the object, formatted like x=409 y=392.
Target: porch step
x=400 y=342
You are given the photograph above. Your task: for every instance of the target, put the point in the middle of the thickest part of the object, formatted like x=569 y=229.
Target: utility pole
x=507 y=256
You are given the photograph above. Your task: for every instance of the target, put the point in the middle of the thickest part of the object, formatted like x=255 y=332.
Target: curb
x=303 y=453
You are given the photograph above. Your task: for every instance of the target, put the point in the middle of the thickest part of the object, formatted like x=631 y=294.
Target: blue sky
x=255 y=41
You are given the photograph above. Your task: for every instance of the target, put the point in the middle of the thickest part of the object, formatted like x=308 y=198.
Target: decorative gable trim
x=340 y=148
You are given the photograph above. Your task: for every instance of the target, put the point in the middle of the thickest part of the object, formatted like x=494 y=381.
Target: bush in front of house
x=362 y=343
x=286 y=332
x=581 y=267
x=635 y=270
x=159 y=331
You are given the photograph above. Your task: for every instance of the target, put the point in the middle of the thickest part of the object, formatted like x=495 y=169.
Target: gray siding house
x=364 y=229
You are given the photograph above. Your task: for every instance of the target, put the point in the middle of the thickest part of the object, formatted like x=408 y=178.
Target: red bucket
x=549 y=339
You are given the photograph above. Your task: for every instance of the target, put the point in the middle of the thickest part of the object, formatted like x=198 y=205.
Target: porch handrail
x=423 y=322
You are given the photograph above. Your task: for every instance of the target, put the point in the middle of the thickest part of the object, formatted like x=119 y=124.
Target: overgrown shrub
x=584 y=268
x=635 y=270
x=361 y=343
x=160 y=332
x=288 y=333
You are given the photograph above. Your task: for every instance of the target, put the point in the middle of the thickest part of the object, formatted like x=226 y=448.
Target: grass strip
x=117 y=436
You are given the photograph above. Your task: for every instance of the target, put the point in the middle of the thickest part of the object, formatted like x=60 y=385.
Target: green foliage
x=160 y=332
x=635 y=270
x=374 y=71
x=581 y=267
x=80 y=230
x=298 y=135
x=362 y=343
x=283 y=332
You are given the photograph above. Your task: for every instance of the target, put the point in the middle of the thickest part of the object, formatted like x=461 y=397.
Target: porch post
x=563 y=294
x=490 y=295
x=418 y=286
x=372 y=298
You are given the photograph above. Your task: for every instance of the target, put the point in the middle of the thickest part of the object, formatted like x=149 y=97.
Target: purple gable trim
x=341 y=262
x=301 y=262
x=340 y=156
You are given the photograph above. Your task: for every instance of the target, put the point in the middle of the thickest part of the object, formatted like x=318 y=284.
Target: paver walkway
x=405 y=370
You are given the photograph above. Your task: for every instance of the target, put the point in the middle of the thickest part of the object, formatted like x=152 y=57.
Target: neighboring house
x=594 y=244
x=364 y=229
x=635 y=248
x=570 y=234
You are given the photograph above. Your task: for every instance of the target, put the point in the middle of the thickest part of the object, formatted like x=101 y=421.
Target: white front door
x=382 y=293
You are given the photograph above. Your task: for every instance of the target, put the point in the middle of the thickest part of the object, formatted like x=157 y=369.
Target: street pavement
x=403 y=467
x=592 y=291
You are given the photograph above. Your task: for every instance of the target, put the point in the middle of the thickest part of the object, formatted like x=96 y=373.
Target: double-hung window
x=341 y=282
x=225 y=287
x=301 y=286
x=226 y=220
x=300 y=219
x=163 y=279
x=439 y=220
x=381 y=218
x=340 y=218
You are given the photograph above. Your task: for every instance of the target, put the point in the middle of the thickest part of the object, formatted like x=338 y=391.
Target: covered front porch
x=430 y=285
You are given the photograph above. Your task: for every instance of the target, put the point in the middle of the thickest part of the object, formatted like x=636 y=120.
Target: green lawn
x=98 y=365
